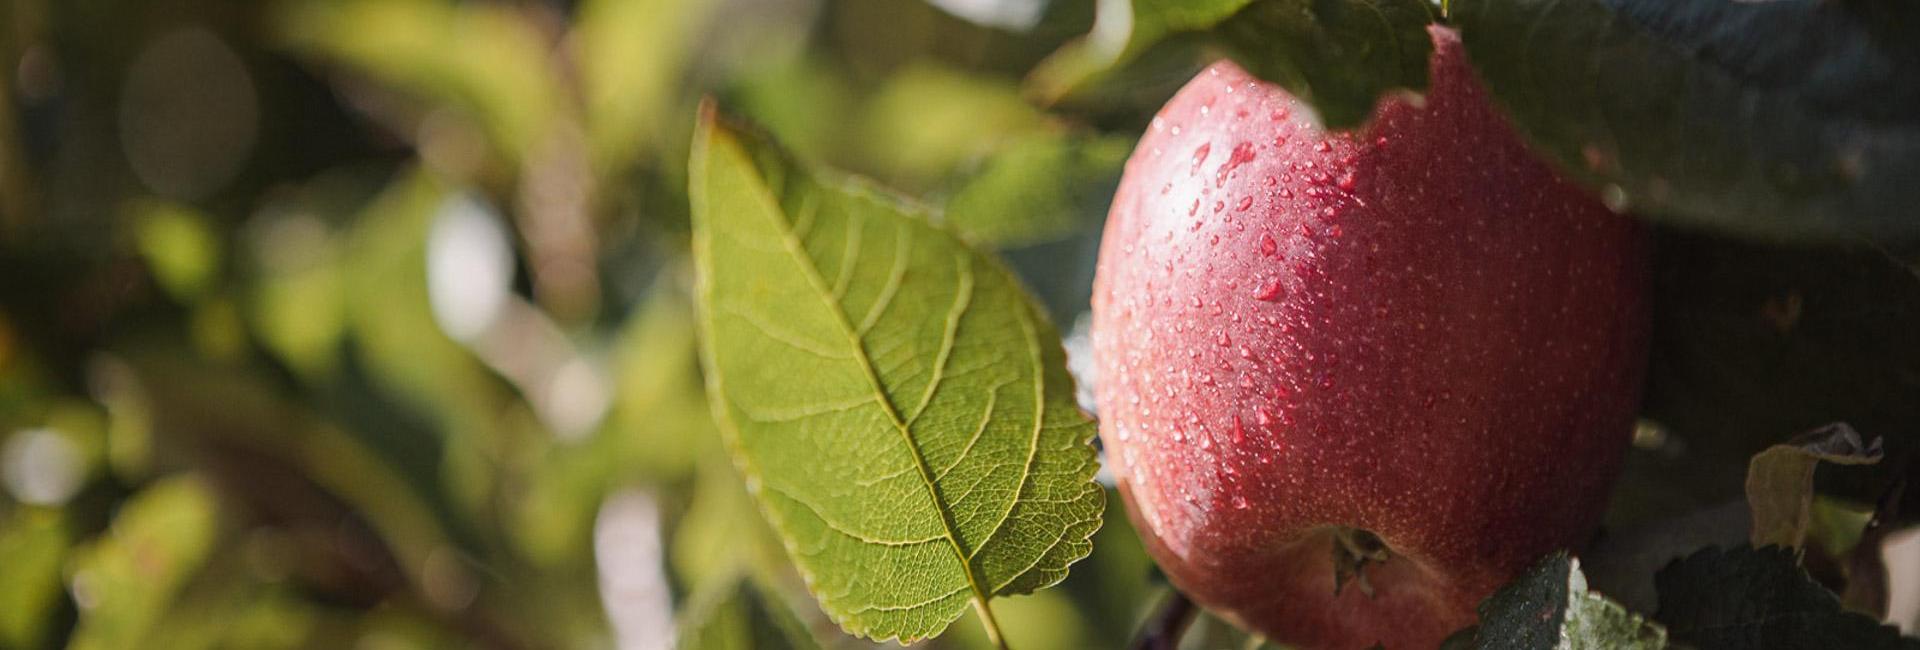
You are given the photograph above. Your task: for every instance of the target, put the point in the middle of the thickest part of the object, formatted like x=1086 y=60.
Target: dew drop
x=1322 y=146
x=1224 y=340
x=1260 y=417
x=1219 y=205
x=1347 y=181
x=1239 y=502
x=1200 y=156
x=1286 y=193
x=1242 y=154
x=1268 y=246
x=1245 y=202
x=1194 y=209
x=1272 y=291
x=1239 y=432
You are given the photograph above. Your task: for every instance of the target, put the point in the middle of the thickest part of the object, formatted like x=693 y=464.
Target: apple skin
x=1418 y=329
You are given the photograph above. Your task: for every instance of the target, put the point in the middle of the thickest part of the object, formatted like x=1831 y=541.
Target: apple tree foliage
x=902 y=411
x=835 y=407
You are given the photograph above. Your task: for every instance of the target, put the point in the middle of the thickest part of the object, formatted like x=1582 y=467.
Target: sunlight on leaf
x=899 y=405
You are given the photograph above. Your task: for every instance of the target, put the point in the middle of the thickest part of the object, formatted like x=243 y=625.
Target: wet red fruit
x=1414 y=344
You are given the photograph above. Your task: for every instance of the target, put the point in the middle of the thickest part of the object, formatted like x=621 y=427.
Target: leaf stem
x=987 y=621
x=1169 y=623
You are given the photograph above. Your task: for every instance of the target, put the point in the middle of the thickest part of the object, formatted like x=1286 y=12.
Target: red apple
x=1413 y=351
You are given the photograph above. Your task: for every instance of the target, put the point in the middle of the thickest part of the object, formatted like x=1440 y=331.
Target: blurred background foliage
x=365 y=324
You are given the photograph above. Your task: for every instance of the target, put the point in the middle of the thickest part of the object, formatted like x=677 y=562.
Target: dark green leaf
x=1549 y=608
x=1338 y=55
x=1038 y=189
x=1780 y=480
x=1759 y=598
x=1791 y=118
x=896 y=400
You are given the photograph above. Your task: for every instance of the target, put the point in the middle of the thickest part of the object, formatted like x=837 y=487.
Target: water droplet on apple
x=1268 y=246
x=1239 y=432
x=1239 y=502
x=1242 y=154
x=1200 y=156
x=1245 y=202
x=1272 y=291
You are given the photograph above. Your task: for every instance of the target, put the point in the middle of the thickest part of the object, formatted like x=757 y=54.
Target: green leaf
x=927 y=120
x=739 y=615
x=632 y=54
x=897 y=402
x=1758 y=598
x=33 y=542
x=1780 y=480
x=1339 y=56
x=1038 y=189
x=1549 y=607
x=125 y=581
x=1756 y=343
x=484 y=58
x=180 y=247
x=1793 y=118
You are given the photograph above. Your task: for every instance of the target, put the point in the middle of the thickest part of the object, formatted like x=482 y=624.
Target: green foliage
x=1549 y=607
x=34 y=543
x=1339 y=56
x=894 y=397
x=279 y=444
x=1781 y=119
x=1759 y=598
x=739 y=615
x=127 y=579
x=1004 y=203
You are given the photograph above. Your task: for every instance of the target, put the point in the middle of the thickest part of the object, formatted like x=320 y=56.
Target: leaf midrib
x=797 y=251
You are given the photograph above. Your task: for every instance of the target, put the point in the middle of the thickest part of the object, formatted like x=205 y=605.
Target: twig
x=1169 y=622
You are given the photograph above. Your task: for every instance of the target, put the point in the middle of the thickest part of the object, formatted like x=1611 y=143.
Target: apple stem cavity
x=1353 y=550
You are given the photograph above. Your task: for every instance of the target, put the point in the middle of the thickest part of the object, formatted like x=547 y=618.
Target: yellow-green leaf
x=898 y=403
x=1780 y=480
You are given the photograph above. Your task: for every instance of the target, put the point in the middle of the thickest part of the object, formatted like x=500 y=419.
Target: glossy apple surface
x=1417 y=330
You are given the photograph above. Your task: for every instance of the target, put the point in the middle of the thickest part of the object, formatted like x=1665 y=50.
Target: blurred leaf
x=298 y=301
x=739 y=615
x=1041 y=620
x=631 y=55
x=926 y=121
x=1339 y=56
x=859 y=358
x=1753 y=344
x=179 y=246
x=659 y=429
x=33 y=544
x=1748 y=598
x=391 y=313
x=722 y=532
x=125 y=580
x=1037 y=189
x=1794 y=118
x=1549 y=608
x=485 y=58
x=1780 y=480
x=804 y=101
